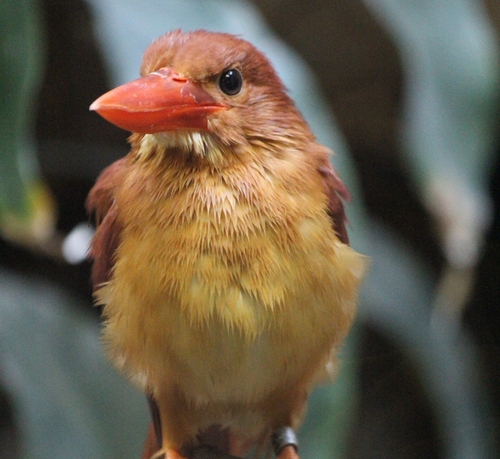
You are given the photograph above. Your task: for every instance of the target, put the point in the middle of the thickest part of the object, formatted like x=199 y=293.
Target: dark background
x=365 y=92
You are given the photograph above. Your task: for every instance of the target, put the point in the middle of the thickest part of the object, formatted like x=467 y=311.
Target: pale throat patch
x=200 y=143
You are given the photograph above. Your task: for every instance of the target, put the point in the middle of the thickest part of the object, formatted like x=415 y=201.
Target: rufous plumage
x=220 y=256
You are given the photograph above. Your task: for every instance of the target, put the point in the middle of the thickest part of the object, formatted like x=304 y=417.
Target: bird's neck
x=202 y=150
x=191 y=147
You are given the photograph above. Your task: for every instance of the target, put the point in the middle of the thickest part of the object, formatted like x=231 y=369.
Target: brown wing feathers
x=336 y=191
x=100 y=202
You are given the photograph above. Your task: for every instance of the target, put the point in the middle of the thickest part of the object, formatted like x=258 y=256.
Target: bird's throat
x=193 y=145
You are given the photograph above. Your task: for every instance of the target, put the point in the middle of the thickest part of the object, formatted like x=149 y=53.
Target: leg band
x=284 y=436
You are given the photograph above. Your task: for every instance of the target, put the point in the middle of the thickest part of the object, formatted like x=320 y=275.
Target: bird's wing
x=336 y=192
x=100 y=202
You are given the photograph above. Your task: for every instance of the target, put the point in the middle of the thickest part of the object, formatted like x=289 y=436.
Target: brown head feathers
x=261 y=112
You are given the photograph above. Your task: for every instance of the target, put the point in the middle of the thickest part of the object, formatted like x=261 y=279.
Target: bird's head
x=201 y=88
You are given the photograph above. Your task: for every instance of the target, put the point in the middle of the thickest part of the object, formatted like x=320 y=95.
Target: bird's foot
x=167 y=453
x=285 y=443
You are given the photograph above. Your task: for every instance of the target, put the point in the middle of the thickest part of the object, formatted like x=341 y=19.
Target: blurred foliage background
x=406 y=93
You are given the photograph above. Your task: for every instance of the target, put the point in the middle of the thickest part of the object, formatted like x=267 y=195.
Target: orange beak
x=160 y=101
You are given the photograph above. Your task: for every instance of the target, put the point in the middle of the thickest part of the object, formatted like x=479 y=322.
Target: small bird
x=220 y=256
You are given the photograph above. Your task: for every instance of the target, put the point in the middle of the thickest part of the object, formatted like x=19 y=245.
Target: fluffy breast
x=236 y=282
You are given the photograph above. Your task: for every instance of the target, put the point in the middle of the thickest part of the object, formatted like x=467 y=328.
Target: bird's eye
x=230 y=82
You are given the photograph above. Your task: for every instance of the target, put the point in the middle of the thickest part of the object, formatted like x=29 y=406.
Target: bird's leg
x=167 y=453
x=285 y=443
x=288 y=452
x=170 y=408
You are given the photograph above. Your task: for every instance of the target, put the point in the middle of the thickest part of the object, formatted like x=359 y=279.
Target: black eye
x=230 y=82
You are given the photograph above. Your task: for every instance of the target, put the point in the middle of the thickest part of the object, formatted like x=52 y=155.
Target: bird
x=220 y=258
